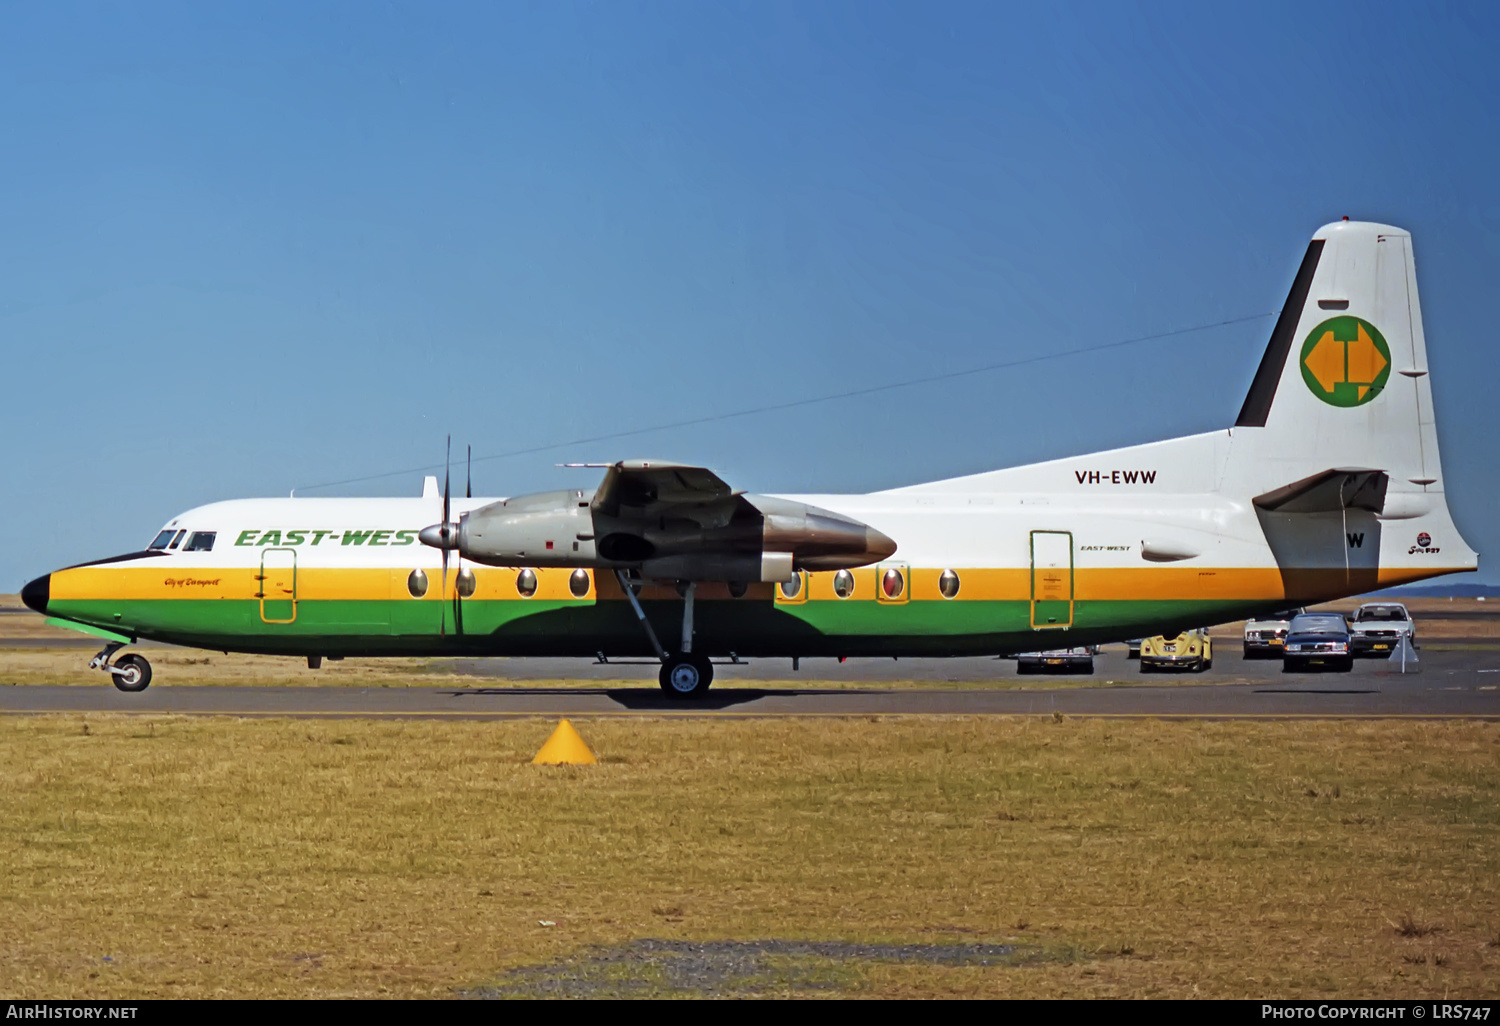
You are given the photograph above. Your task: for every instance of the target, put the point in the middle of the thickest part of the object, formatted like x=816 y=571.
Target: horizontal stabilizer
x=1329 y=492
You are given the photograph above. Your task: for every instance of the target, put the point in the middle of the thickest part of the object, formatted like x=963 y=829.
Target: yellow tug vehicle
x=1191 y=650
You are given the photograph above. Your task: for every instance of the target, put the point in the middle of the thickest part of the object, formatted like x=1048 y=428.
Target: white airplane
x=1327 y=485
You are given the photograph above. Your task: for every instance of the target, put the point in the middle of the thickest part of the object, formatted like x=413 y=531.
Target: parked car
x=1265 y=637
x=1191 y=650
x=1061 y=660
x=1318 y=640
x=1133 y=648
x=1378 y=628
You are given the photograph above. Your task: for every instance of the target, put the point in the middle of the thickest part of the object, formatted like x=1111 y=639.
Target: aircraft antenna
x=792 y=404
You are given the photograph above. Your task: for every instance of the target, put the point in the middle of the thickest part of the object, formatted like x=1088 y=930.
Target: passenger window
x=161 y=541
x=176 y=539
x=201 y=541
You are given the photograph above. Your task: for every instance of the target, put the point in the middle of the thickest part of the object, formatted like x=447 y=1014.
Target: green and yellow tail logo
x=1345 y=361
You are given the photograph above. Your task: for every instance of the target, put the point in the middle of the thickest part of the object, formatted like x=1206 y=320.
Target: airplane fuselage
x=1115 y=548
x=1328 y=484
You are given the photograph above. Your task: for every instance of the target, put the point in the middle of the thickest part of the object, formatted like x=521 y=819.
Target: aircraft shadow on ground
x=653 y=698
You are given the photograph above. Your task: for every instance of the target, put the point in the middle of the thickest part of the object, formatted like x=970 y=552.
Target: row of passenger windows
x=892 y=584
x=526 y=583
x=201 y=541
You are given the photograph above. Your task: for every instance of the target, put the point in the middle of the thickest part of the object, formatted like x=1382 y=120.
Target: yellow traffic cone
x=564 y=748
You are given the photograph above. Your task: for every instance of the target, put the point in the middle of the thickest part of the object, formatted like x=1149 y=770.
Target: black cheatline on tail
x=1263 y=389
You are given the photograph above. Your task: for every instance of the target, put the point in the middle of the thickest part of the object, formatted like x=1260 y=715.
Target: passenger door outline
x=1051 y=580
x=278 y=585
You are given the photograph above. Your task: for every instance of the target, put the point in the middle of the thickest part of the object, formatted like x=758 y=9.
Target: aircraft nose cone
x=37 y=593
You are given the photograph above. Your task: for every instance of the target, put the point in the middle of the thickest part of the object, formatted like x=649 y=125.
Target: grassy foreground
x=202 y=857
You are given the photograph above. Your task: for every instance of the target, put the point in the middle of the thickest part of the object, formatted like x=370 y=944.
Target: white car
x=1378 y=627
x=1265 y=638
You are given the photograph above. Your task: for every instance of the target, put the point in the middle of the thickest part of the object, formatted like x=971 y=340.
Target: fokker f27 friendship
x=1327 y=485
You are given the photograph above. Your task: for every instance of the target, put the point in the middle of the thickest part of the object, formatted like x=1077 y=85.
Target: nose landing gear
x=130 y=672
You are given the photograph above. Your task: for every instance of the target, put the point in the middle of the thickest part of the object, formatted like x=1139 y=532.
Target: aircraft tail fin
x=1344 y=382
x=1341 y=407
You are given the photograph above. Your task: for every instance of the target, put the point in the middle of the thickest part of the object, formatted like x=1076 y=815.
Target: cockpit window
x=201 y=541
x=177 y=539
x=161 y=540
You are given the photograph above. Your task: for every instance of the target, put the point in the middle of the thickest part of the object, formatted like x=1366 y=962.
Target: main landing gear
x=686 y=674
x=130 y=672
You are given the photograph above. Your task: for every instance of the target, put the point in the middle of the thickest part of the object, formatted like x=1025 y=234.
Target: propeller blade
x=447 y=460
x=443 y=595
x=458 y=601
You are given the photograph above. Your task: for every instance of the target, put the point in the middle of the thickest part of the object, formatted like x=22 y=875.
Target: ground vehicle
x=1378 y=628
x=1062 y=660
x=1264 y=637
x=1192 y=650
x=1318 y=640
x=1133 y=648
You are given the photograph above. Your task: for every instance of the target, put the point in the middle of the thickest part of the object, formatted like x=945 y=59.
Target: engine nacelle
x=542 y=529
x=820 y=539
x=737 y=538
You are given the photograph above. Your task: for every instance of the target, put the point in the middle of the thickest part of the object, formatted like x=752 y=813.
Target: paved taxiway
x=1463 y=683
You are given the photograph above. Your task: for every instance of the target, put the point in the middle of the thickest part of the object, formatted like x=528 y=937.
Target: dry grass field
x=274 y=858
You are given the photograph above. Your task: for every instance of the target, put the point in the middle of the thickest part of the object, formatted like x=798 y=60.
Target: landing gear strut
x=687 y=674
x=130 y=672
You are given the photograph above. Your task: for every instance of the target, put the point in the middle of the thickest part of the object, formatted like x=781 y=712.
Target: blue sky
x=247 y=248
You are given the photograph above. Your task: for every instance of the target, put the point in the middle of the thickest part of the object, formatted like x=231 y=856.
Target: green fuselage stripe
x=557 y=628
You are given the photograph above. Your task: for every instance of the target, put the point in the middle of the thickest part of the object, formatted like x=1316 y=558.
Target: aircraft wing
x=669 y=521
x=647 y=486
